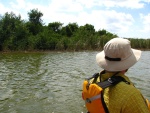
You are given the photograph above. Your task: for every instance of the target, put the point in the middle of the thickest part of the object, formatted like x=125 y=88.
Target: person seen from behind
x=118 y=57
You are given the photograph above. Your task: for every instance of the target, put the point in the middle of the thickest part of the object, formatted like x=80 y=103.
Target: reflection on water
x=52 y=82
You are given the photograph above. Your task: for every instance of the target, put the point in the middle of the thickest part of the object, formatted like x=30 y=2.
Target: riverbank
x=50 y=51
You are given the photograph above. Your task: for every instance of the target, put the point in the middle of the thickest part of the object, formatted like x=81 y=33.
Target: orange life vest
x=92 y=98
x=148 y=104
x=93 y=93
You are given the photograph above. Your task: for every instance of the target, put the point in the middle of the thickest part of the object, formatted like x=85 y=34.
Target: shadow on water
x=52 y=82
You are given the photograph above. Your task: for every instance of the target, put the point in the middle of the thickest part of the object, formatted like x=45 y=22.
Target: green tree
x=55 y=26
x=69 y=29
x=35 y=22
x=35 y=16
x=13 y=32
x=16 y=34
x=7 y=25
x=102 y=32
x=84 y=37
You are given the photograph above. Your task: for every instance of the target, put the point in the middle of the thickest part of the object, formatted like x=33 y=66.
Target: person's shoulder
x=124 y=88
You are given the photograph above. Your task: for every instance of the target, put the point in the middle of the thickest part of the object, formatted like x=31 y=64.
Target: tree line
x=17 y=34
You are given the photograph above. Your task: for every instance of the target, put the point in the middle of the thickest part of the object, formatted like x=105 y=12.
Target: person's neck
x=123 y=72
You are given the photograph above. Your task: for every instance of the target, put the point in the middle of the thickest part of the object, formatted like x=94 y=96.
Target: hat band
x=112 y=59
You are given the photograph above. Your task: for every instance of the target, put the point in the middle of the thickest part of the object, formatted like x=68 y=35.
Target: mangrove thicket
x=17 y=34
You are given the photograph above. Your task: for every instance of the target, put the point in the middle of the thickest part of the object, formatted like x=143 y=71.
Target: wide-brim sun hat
x=117 y=55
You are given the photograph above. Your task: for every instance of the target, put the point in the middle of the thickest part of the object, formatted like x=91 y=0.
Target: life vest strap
x=111 y=81
x=89 y=100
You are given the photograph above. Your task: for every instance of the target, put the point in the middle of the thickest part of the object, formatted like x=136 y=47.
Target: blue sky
x=126 y=18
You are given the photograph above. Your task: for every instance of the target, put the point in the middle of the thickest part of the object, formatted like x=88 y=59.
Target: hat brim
x=118 y=65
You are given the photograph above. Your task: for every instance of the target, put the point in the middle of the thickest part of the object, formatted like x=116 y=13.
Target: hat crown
x=117 y=55
x=118 y=48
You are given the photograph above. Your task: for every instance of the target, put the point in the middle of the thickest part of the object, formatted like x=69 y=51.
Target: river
x=51 y=82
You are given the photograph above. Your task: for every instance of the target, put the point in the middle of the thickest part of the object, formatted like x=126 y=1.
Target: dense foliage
x=19 y=35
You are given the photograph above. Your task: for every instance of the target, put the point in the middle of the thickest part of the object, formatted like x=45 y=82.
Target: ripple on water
x=5 y=94
x=52 y=82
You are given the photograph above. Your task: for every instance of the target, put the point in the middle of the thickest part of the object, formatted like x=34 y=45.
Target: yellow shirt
x=124 y=98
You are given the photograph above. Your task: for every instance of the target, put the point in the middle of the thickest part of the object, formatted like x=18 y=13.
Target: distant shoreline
x=49 y=51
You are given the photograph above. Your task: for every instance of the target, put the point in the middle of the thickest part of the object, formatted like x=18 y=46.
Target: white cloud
x=20 y=4
x=65 y=6
x=112 y=20
x=94 y=12
x=130 y=4
x=4 y=9
x=88 y=3
x=148 y=1
x=114 y=3
x=146 y=22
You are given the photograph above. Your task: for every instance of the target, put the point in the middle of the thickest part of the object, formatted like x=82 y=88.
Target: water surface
x=52 y=82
